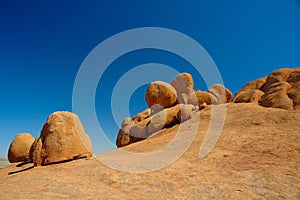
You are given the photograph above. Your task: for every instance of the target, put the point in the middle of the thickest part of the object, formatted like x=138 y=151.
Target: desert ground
x=3 y=163
x=256 y=157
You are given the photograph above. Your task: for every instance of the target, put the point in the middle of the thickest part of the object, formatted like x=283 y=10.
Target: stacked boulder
x=169 y=104
x=281 y=89
x=62 y=139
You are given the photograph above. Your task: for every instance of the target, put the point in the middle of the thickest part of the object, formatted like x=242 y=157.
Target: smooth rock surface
x=160 y=94
x=20 y=147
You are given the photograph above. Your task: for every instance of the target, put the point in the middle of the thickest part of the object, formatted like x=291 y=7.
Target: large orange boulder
x=20 y=147
x=160 y=95
x=62 y=138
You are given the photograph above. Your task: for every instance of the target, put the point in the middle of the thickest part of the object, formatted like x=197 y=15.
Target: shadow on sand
x=22 y=170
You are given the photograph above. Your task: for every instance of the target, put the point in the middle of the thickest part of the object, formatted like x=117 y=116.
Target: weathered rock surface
x=169 y=105
x=126 y=122
x=62 y=138
x=248 y=96
x=256 y=157
x=201 y=98
x=160 y=94
x=257 y=84
x=183 y=84
x=221 y=94
x=276 y=96
x=279 y=90
x=141 y=128
x=164 y=118
x=280 y=75
x=142 y=115
x=19 y=148
x=294 y=94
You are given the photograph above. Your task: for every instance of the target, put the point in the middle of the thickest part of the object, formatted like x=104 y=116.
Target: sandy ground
x=4 y=163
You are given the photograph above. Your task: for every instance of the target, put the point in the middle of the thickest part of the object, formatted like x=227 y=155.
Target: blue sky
x=42 y=46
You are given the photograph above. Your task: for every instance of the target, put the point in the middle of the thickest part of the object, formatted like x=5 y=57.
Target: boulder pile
x=62 y=139
x=169 y=104
x=281 y=89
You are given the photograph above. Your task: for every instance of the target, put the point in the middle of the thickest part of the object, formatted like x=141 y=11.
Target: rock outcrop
x=169 y=105
x=62 y=138
x=256 y=157
x=20 y=147
x=248 y=96
x=279 y=90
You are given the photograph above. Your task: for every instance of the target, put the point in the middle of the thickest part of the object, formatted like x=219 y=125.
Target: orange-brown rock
x=280 y=75
x=201 y=97
x=126 y=122
x=186 y=111
x=134 y=131
x=62 y=138
x=276 y=96
x=36 y=152
x=248 y=96
x=279 y=90
x=294 y=76
x=19 y=148
x=160 y=94
x=123 y=137
x=164 y=118
x=294 y=94
x=142 y=115
x=183 y=84
x=138 y=130
x=221 y=94
x=255 y=85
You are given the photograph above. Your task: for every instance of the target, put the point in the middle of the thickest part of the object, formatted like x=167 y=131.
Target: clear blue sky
x=43 y=43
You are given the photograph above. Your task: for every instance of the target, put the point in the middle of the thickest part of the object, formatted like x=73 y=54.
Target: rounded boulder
x=20 y=147
x=161 y=94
